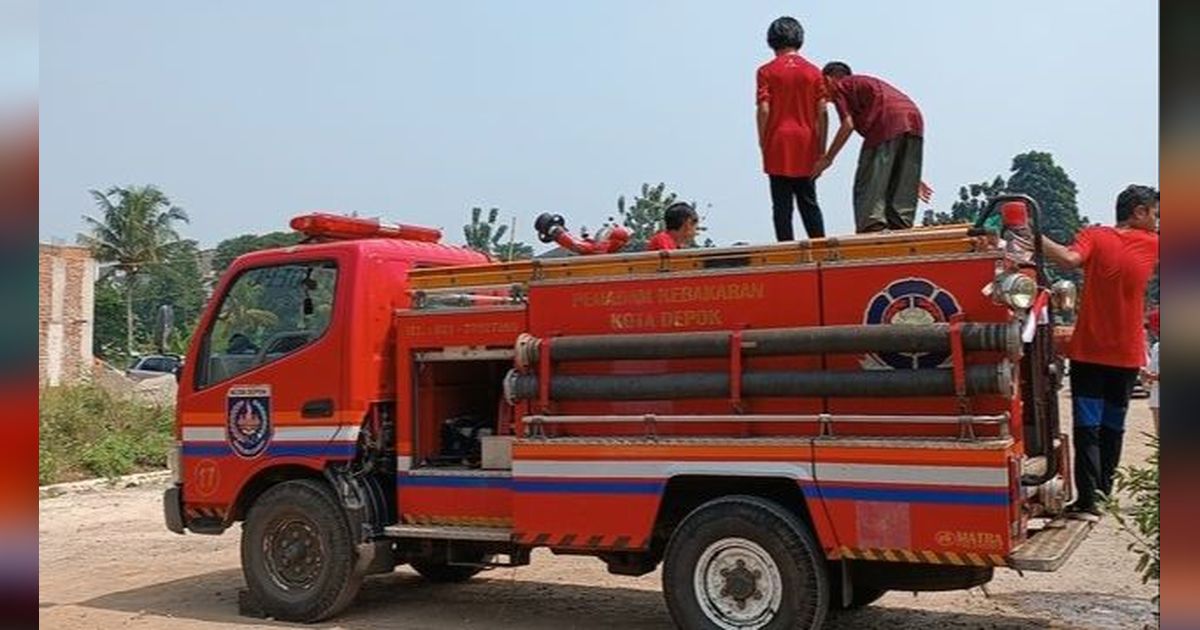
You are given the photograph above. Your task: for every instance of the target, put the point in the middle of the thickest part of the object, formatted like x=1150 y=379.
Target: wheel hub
x=738 y=584
x=741 y=583
x=293 y=553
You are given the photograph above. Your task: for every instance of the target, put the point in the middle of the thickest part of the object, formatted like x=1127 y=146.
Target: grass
x=86 y=432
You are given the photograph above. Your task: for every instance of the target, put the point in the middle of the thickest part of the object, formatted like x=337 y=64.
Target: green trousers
x=885 y=185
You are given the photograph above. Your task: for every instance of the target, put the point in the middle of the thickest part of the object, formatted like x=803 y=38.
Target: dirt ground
x=108 y=562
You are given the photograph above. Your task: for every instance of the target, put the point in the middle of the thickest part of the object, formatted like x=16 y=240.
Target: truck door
x=266 y=383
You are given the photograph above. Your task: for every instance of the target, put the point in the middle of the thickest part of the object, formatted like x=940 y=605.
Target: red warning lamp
x=333 y=226
x=1014 y=214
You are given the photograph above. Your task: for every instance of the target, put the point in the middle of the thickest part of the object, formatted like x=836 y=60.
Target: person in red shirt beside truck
x=792 y=127
x=888 y=182
x=1107 y=348
x=681 y=221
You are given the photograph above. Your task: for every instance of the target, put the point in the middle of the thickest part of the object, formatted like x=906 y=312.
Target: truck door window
x=267 y=313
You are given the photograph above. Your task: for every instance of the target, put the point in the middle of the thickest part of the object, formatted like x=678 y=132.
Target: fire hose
x=772 y=342
x=980 y=379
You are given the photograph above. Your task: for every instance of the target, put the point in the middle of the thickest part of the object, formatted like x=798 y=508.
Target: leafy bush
x=1141 y=520
x=86 y=432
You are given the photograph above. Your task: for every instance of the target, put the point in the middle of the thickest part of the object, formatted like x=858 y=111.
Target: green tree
x=229 y=249
x=644 y=216
x=1033 y=173
x=136 y=228
x=108 y=331
x=487 y=236
x=178 y=281
x=971 y=201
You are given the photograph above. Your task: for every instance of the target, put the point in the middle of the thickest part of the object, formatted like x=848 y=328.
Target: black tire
x=862 y=597
x=710 y=546
x=443 y=573
x=297 y=552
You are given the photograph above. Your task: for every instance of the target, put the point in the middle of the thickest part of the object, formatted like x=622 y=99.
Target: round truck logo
x=909 y=302
x=249 y=420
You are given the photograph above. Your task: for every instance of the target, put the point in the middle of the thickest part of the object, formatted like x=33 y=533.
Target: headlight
x=1014 y=289
x=1064 y=295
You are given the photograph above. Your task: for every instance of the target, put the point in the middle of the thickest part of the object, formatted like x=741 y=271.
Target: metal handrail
x=535 y=424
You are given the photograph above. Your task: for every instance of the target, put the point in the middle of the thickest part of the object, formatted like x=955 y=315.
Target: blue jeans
x=1099 y=400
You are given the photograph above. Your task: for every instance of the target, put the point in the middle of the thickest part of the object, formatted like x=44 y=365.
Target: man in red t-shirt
x=1107 y=348
x=792 y=125
x=888 y=179
x=680 y=220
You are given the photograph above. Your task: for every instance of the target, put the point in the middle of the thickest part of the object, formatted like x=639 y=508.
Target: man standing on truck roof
x=792 y=127
x=888 y=180
x=680 y=220
x=1108 y=347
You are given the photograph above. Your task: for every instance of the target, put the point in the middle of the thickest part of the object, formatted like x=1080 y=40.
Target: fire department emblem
x=909 y=302
x=249 y=419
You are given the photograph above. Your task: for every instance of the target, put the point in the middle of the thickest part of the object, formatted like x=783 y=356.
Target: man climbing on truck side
x=1108 y=347
x=888 y=180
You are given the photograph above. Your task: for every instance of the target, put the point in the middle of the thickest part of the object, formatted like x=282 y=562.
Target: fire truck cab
x=785 y=429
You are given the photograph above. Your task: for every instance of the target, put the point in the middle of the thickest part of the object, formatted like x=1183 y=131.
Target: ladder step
x=1048 y=548
x=445 y=532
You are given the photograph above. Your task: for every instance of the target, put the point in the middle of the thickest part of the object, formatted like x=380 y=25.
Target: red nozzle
x=608 y=240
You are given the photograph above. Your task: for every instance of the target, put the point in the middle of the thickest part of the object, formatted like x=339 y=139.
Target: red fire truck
x=786 y=429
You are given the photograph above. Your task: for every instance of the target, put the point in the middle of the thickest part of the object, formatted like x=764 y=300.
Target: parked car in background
x=153 y=365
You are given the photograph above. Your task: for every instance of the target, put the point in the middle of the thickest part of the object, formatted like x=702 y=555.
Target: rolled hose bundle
x=980 y=379
x=773 y=342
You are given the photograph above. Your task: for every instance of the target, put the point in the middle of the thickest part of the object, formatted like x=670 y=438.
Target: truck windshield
x=268 y=313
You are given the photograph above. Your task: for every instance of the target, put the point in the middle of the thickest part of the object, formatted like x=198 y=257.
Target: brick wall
x=66 y=306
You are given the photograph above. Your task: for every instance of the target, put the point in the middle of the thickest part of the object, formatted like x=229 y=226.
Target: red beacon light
x=333 y=226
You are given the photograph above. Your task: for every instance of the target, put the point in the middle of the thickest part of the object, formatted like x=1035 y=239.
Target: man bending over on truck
x=680 y=220
x=888 y=179
x=1108 y=347
x=792 y=124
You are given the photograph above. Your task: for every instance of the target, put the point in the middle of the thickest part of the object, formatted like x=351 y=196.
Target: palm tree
x=136 y=228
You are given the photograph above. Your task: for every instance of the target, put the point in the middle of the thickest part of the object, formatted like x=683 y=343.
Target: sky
x=246 y=114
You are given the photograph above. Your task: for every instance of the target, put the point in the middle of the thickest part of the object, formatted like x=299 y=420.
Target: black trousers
x=1099 y=400
x=804 y=191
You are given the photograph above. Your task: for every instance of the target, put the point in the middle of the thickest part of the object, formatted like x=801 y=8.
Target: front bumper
x=173 y=508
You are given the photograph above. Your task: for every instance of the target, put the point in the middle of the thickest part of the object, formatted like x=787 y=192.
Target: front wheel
x=744 y=562
x=297 y=552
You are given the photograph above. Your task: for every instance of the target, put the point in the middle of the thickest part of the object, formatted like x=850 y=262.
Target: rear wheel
x=744 y=562
x=297 y=553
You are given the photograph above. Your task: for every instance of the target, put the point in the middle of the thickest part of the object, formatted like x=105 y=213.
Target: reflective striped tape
x=656 y=469
x=925 y=556
x=919 y=475
x=326 y=433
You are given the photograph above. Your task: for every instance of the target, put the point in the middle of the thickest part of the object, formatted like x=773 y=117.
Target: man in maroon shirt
x=889 y=167
x=1107 y=348
x=792 y=124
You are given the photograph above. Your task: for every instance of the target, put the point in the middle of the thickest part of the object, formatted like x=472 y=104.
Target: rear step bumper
x=1048 y=548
